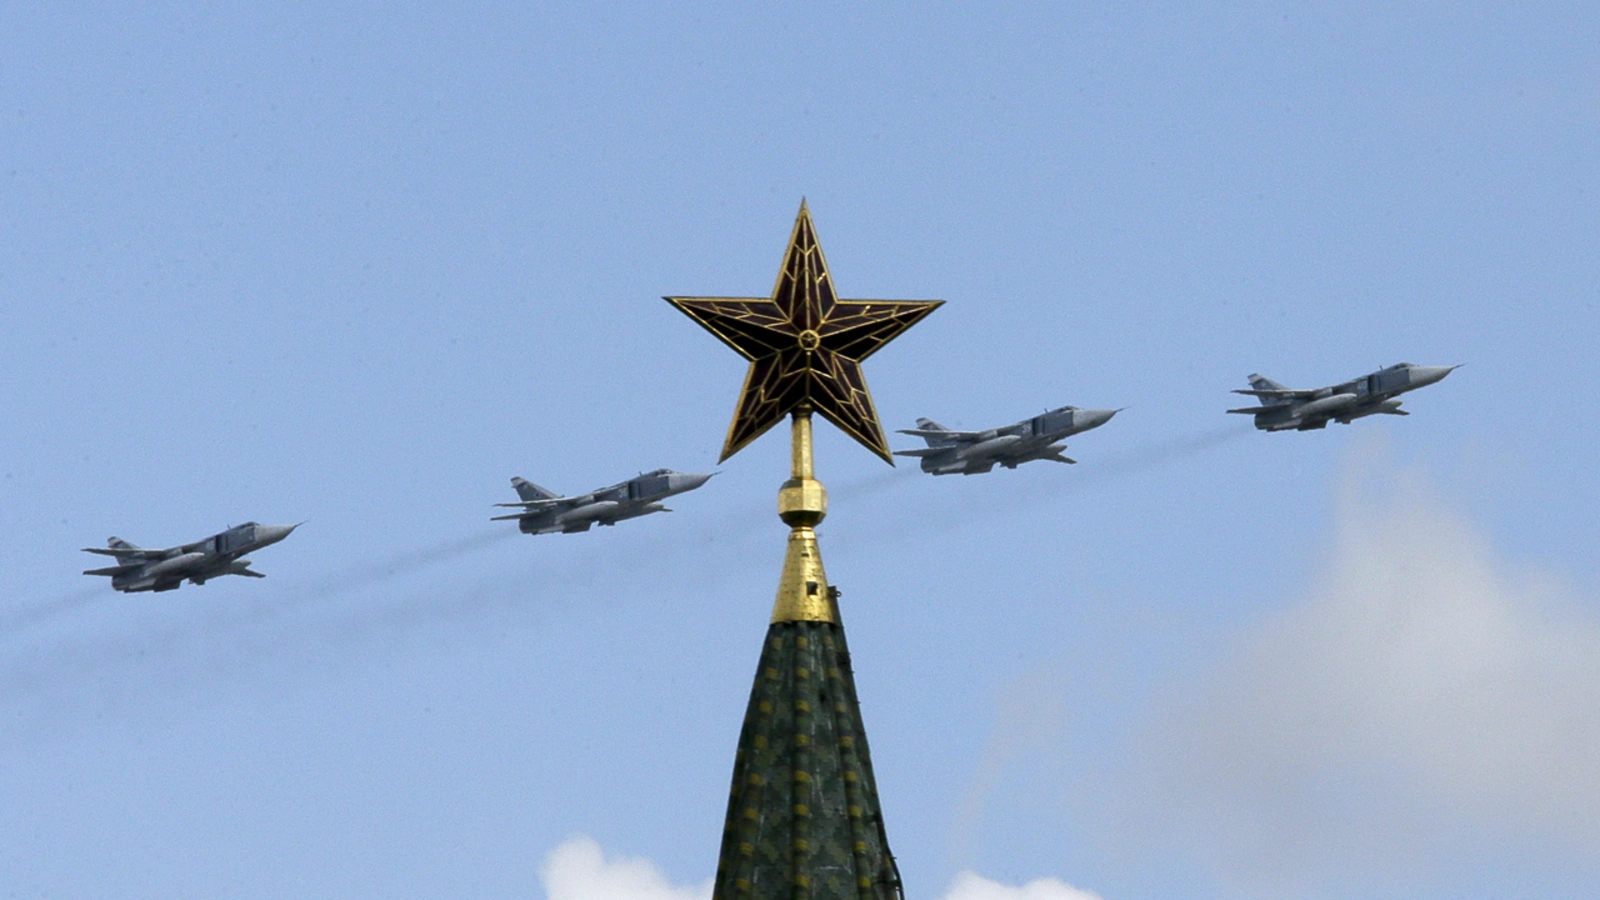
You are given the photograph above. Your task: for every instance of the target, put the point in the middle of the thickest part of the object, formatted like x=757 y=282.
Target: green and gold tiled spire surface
x=803 y=818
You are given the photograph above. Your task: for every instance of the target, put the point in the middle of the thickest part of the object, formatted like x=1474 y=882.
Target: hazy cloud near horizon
x=1426 y=697
x=579 y=869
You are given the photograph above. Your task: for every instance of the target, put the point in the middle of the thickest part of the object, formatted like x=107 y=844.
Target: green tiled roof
x=803 y=818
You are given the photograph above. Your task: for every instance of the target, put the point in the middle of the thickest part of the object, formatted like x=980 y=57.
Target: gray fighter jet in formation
x=141 y=569
x=975 y=452
x=1283 y=409
x=546 y=512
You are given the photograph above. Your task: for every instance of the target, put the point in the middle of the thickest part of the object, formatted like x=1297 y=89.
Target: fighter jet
x=141 y=569
x=975 y=452
x=546 y=512
x=1283 y=409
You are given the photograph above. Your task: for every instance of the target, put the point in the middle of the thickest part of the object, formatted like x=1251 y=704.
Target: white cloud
x=578 y=870
x=972 y=886
x=1424 y=699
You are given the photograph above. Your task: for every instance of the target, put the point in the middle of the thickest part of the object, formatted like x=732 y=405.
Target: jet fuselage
x=1287 y=409
x=547 y=513
x=951 y=452
x=141 y=569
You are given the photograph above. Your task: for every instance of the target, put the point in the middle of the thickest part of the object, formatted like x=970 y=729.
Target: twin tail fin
x=527 y=490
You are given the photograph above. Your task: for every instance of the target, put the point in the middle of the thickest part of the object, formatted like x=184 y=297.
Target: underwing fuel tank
x=634 y=513
x=175 y=565
x=989 y=447
x=1387 y=407
x=1326 y=406
x=589 y=512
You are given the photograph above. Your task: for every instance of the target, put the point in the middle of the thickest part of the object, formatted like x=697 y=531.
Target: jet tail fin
x=1263 y=383
x=527 y=490
x=116 y=543
x=934 y=440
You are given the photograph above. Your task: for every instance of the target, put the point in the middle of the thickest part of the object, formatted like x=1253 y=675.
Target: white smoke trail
x=33 y=614
x=180 y=647
x=156 y=649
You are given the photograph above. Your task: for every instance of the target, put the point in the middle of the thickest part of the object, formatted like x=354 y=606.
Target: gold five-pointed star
x=805 y=345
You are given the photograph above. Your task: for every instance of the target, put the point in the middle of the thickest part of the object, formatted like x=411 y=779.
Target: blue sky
x=360 y=264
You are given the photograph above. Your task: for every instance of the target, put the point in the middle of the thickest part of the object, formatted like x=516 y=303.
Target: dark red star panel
x=805 y=345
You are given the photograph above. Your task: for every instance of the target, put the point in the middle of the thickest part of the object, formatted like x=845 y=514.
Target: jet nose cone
x=271 y=534
x=1430 y=374
x=1094 y=418
x=688 y=481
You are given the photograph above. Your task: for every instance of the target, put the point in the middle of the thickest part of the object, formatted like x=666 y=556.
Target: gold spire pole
x=802 y=503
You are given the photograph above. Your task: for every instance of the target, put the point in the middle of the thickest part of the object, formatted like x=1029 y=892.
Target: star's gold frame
x=805 y=345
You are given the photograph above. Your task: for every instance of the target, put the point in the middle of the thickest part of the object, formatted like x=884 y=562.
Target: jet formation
x=142 y=569
x=546 y=512
x=949 y=452
x=976 y=452
x=1285 y=409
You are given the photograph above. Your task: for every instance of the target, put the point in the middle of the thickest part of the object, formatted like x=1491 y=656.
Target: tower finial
x=803 y=817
